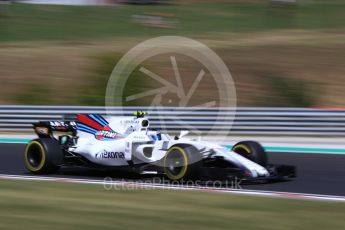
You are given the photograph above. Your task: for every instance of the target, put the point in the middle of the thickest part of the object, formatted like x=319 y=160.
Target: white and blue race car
x=129 y=143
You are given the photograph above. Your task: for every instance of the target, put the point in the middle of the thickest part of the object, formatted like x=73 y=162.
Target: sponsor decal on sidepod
x=110 y=155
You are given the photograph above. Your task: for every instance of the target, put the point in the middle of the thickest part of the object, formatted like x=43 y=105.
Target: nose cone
x=251 y=168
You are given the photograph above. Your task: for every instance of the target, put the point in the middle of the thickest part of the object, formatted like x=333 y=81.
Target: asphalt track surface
x=316 y=173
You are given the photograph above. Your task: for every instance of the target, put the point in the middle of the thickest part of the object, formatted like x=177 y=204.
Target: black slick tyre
x=252 y=151
x=182 y=163
x=43 y=156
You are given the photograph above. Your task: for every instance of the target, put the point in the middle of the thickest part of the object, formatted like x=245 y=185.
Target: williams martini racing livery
x=129 y=143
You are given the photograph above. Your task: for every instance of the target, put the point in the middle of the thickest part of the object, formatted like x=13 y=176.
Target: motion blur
x=264 y=108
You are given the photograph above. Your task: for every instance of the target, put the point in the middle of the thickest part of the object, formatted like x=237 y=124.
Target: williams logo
x=110 y=155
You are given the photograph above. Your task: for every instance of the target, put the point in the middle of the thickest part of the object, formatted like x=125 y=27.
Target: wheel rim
x=34 y=156
x=175 y=163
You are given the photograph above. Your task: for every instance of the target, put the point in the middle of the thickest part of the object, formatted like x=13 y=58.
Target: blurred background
x=280 y=53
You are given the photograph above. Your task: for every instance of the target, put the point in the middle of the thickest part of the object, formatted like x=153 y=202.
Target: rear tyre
x=182 y=163
x=251 y=150
x=43 y=156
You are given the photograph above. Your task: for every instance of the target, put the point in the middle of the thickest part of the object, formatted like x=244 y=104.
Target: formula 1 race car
x=129 y=143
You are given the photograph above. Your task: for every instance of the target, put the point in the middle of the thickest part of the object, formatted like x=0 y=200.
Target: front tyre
x=43 y=156
x=182 y=163
x=252 y=151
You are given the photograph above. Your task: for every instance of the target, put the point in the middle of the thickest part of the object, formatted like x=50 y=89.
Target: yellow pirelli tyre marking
x=185 y=164
x=26 y=157
x=242 y=147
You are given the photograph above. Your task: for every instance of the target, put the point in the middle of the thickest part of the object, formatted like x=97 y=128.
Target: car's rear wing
x=46 y=128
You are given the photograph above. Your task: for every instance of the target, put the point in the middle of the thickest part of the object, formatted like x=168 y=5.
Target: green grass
x=289 y=92
x=69 y=26
x=48 y=205
x=21 y=22
x=93 y=91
